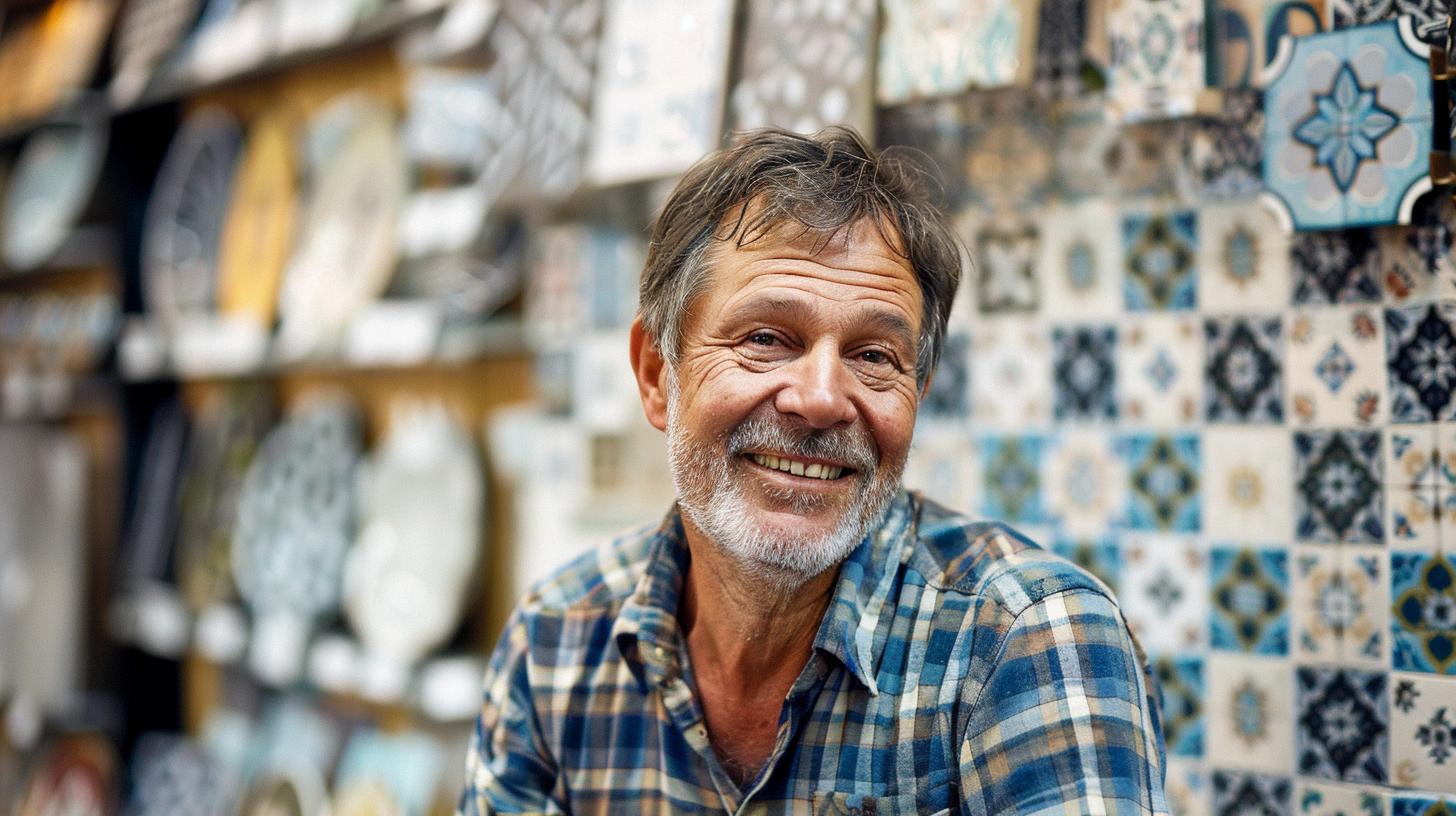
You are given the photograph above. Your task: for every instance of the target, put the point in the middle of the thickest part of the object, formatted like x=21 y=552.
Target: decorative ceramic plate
x=147 y=33
x=258 y=230
x=50 y=187
x=1158 y=66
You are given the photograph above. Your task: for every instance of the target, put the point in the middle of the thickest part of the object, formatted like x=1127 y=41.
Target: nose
x=818 y=389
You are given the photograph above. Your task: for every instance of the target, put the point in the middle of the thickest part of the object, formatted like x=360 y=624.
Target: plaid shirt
x=958 y=667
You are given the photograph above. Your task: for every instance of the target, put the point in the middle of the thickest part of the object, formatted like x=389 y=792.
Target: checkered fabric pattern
x=959 y=667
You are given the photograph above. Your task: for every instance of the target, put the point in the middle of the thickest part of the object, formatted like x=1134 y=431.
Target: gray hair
x=824 y=183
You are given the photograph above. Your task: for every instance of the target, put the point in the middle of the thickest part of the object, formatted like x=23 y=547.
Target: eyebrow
x=878 y=319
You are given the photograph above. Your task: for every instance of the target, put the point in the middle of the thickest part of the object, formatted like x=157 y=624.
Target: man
x=800 y=634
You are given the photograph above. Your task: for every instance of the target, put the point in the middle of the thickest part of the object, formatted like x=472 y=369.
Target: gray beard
x=714 y=500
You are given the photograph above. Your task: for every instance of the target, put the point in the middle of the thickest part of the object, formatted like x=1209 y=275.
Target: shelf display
x=146 y=36
x=930 y=48
x=257 y=231
x=49 y=188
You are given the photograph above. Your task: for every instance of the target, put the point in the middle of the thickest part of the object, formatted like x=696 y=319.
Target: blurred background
x=313 y=356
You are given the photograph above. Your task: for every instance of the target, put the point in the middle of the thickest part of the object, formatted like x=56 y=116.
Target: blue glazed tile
x=1243 y=377
x=1337 y=266
x=1414 y=805
x=1084 y=374
x=1098 y=556
x=1180 y=682
x=1338 y=477
x=1423 y=612
x=1011 y=486
x=1163 y=482
x=950 y=388
x=1341 y=721
x=1160 y=251
x=1249 y=607
x=1236 y=793
x=1420 y=356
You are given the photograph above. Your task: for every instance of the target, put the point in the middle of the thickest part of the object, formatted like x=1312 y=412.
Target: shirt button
x=659 y=651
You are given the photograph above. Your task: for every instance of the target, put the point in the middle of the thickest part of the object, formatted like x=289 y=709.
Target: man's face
x=791 y=408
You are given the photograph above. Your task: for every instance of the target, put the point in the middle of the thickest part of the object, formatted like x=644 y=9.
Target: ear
x=925 y=389
x=651 y=372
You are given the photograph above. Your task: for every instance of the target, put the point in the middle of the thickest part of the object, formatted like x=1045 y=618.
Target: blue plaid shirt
x=958 y=668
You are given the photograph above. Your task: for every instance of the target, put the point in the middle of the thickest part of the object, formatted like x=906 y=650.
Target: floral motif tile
x=1243 y=261
x=1011 y=372
x=1242 y=363
x=1364 y=641
x=1336 y=266
x=1428 y=16
x=1321 y=799
x=1250 y=703
x=1423 y=732
x=1084 y=373
x=1187 y=787
x=1160 y=252
x=1163 y=482
x=1098 y=556
x=950 y=388
x=1340 y=724
x=1008 y=150
x=1248 y=476
x=1236 y=793
x=1080 y=263
x=1415 y=805
x=1011 y=487
x=943 y=464
x=1085 y=483
x=1157 y=68
x=1413 y=456
x=1414 y=518
x=1423 y=612
x=1226 y=151
x=1336 y=366
x=1005 y=248
x=1338 y=603
x=1338 y=477
x=1163 y=592
x=1160 y=369
x=1180 y=682
x=1249 y=600
x=1087 y=150
x=931 y=49
x=1347 y=132
x=1420 y=349
x=1418 y=262
x=1146 y=160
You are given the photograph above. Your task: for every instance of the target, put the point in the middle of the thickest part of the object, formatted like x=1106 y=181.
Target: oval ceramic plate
x=258 y=229
x=147 y=33
x=50 y=186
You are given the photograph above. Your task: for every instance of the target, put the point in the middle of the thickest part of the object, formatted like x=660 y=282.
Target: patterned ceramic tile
x=1080 y=262
x=1060 y=61
x=1008 y=150
x=1163 y=592
x=1085 y=482
x=943 y=463
x=1250 y=703
x=1098 y=556
x=1004 y=251
x=1321 y=799
x=1011 y=487
x=1423 y=612
x=1429 y=16
x=1338 y=475
x=1340 y=724
x=1226 y=151
x=1418 y=263
x=1084 y=373
x=1415 y=805
x=930 y=48
x=1336 y=366
x=1011 y=369
x=950 y=387
x=1236 y=44
x=1157 y=68
x=1346 y=130
x=1413 y=456
x=1249 y=600
x=1236 y=793
x=1248 y=491
x=1363 y=637
x=1163 y=482
x=1243 y=261
x=1423 y=732
x=1294 y=18
x=1243 y=381
x=1420 y=349
x=1187 y=787
x=1339 y=266
x=1160 y=369
x=1180 y=681
x=1414 y=518
x=1322 y=605
x=1088 y=150
x=937 y=130
x=1160 y=252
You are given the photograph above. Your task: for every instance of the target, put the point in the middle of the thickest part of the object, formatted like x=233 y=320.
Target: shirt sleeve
x=508 y=768
x=1065 y=722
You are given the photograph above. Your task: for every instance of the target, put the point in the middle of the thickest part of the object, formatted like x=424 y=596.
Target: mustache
x=851 y=446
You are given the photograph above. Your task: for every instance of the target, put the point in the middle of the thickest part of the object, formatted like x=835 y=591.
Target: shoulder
x=595 y=582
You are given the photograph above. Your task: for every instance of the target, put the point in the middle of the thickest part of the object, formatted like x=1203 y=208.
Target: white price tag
x=219 y=344
x=394 y=332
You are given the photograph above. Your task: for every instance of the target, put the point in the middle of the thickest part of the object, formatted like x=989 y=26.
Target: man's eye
x=762 y=339
x=874 y=357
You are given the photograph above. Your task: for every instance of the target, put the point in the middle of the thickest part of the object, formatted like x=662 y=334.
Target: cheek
x=891 y=418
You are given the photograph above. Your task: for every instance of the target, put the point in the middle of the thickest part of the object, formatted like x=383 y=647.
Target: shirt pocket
x=833 y=803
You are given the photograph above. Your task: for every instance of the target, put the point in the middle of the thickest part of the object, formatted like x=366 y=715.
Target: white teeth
x=814 y=471
x=796 y=468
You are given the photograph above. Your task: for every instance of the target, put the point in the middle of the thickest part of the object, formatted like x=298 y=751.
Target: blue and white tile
x=1423 y=732
x=1338 y=486
x=1329 y=799
x=1364 y=636
x=1011 y=368
x=1163 y=482
x=1005 y=247
x=1423 y=612
x=1181 y=685
x=1080 y=263
x=1414 y=519
x=932 y=49
x=950 y=389
x=1336 y=366
x=1248 y=477
x=1243 y=261
x=1188 y=787
x=1420 y=353
x=1341 y=717
x=1097 y=555
x=1008 y=149
x=1157 y=68
x=1163 y=591
x=1011 y=467
x=1415 y=804
x=1250 y=704
x=1160 y=259
x=1243 y=369
x=1413 y=455
x=1322 y=603
x=944 y=465
x=1160 y=370
x=1249 y=596
x=1335 y=266
x=1085 y=482
x=1242 y=792
x=1419 y=261
x=1084 y=373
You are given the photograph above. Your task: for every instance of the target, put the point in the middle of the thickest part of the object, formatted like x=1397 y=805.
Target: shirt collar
x=646 y=630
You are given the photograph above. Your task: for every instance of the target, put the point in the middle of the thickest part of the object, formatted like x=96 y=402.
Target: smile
x=809 y=470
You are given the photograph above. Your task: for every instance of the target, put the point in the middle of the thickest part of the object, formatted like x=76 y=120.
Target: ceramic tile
x=1008 y=151
x=1162 y=589
x=1413 y=518
x=1320 y=176
x=1364 y=641
x=1160 y=369
x=1336 y=366
x=1248 y=484
x=937 y=130
x=1146 y=160
x=1060 y=61
x=1088 y=149
x=1011 y=374
x=1163 y=479
x=1084 y=373
x=1323 y=799
x=1011 y=487
x=1226 y=151
x=1187 y=788
x=1412 y=456
x=943 y=464
x=1236 y=44
x=1338 y=266
x=1080 y=263
x=1098 y=556
x=1180 y=681
x=1249 y=600
x=930 y=49
x=1322 y=605
x=1417 y=805
x=1004 y=251
x=1085 y=483
x=1294 y=18
x=1157 y=68
x=1243 y=261
x=1418 y=262
x=1428 y=16
x=1340 y=724
x=950 y=387
x=1423 y=612
x=1420 y=350
x=1423 y=732
x=1243 y=378
x=1250 y=703
x=1236 y=793
x=1160 y=251
x=1338 y=475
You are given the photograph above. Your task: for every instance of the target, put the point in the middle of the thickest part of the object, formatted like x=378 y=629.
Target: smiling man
x=800 y=634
